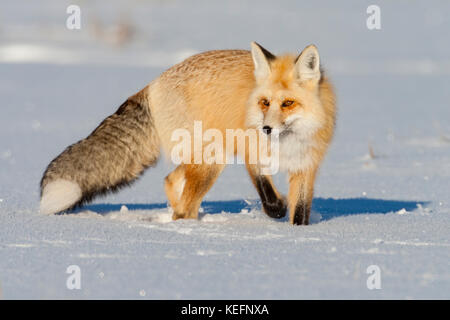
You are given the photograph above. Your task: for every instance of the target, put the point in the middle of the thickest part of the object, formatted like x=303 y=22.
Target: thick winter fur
x=224 y=89
x=113 y=155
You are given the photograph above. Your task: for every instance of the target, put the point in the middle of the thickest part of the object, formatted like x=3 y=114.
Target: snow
x=381 y=197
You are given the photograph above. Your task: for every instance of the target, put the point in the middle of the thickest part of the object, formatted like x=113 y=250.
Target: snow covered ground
x=382 y=197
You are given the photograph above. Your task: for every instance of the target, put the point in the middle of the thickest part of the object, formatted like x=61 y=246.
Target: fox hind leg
x=174 y=185
x=187 y=185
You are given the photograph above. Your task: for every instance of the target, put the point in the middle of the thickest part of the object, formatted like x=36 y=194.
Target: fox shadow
x=327 y=207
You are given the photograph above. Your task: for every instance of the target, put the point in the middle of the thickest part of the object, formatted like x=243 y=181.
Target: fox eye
x=264 y=102
x=287 y=103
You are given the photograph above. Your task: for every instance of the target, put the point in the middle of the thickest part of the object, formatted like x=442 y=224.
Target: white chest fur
x=295 y=153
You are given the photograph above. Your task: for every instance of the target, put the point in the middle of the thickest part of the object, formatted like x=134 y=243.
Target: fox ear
x=307 y=64
x=261 y=60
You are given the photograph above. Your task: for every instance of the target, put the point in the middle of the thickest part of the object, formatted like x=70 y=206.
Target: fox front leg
x=273 y=203
x=301 y=189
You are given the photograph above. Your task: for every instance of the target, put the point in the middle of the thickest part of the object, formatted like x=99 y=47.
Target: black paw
x=276 y=210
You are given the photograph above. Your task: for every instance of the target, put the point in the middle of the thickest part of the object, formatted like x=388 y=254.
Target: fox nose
x=267 y=129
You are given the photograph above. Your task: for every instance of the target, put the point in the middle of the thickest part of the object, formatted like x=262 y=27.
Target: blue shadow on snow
x=328 y=208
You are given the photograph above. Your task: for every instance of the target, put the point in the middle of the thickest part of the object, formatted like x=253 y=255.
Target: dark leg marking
x=273 y=206
x=302 y=211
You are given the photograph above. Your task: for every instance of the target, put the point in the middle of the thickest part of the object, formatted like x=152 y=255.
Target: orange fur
x=224 y=89
x=220 y=89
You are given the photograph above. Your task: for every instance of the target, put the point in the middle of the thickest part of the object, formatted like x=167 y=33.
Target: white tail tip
x=59 y=195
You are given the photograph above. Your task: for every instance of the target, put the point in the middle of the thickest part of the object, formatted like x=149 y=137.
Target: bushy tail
x=113 y=155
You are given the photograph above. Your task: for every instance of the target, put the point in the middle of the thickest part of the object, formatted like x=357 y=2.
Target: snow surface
x=382 y=196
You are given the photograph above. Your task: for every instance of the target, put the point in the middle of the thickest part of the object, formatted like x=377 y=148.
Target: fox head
x=286 y=94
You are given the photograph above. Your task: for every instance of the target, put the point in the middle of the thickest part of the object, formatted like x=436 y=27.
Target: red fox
x=224 y=89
